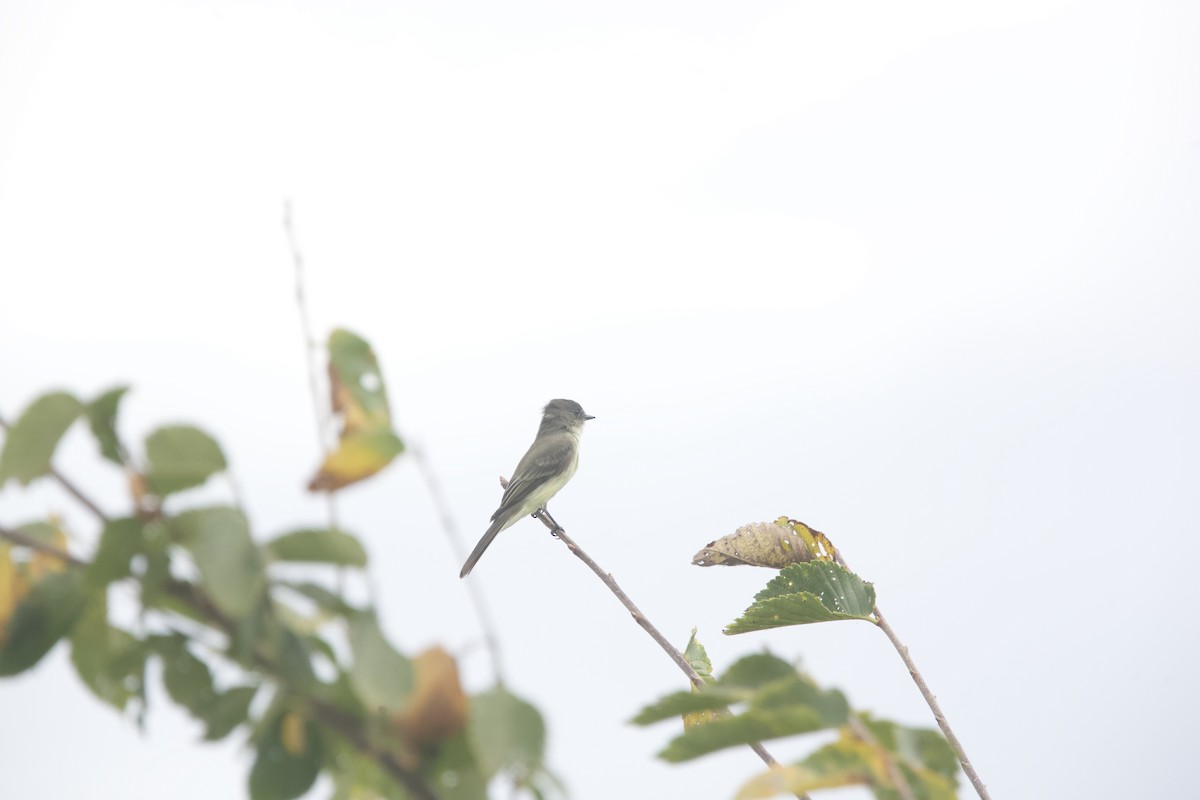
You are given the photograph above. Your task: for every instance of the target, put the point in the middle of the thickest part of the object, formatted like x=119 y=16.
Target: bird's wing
x=532 y=472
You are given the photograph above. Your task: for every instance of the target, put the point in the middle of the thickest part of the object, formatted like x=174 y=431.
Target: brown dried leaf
x=139 y=490
x=759 y=544
x=437 y=709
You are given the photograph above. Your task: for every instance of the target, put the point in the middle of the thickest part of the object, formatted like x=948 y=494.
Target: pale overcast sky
x=924 y=275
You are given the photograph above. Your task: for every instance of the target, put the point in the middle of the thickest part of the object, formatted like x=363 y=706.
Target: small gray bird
x=544 y=469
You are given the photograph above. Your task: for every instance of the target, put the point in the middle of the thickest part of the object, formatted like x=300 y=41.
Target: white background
x=924 y=275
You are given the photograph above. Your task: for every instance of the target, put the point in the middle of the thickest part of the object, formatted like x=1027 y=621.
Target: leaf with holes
x=367 y=442
x=819 y=591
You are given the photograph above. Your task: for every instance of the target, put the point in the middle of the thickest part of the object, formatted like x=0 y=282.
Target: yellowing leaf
x=292 y=734
x=367 y=443
x=8 y=588
x=851 y=761
x=818 y=544
x=697 y=656
x=358 y=456
x=437 y=709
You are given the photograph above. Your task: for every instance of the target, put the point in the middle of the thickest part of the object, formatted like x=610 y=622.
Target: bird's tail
x=497 y=526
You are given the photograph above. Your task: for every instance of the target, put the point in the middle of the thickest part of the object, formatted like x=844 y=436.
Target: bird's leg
x=544 y=515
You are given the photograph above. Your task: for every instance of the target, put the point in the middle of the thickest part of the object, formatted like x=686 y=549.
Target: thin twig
x=968 y=768
x=474 y=592
x=310 y=350
x=930 y=700
x=640 y=618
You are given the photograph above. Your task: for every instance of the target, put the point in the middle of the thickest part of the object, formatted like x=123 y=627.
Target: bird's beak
x=587 y=417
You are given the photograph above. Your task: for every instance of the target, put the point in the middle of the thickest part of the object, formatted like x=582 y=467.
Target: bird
x=544 y=469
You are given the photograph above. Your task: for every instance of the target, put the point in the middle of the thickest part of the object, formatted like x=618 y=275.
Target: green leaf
x=231 y=568
x=382 y=677
x=753 y=726
x=32 y=439
x=42 y=617
x=761 y=679
x=188 y=680
x=228 y=710
x=288 y=761
x=818 y=591
x=506 y=732
x=755 y=670
x=156 y=538
x=924 y=747
x=294 y=659
x=697 y=656
x=359 y=777
x=355 y=369
x=102 y=416
x=455 y=773
x=366 y=443
x=677 y=704
x=180 y=457
x=101 y=655
x=120 y=541
x=320 y=545
x=779 y=701
x=924 y=783
x=324 y=599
